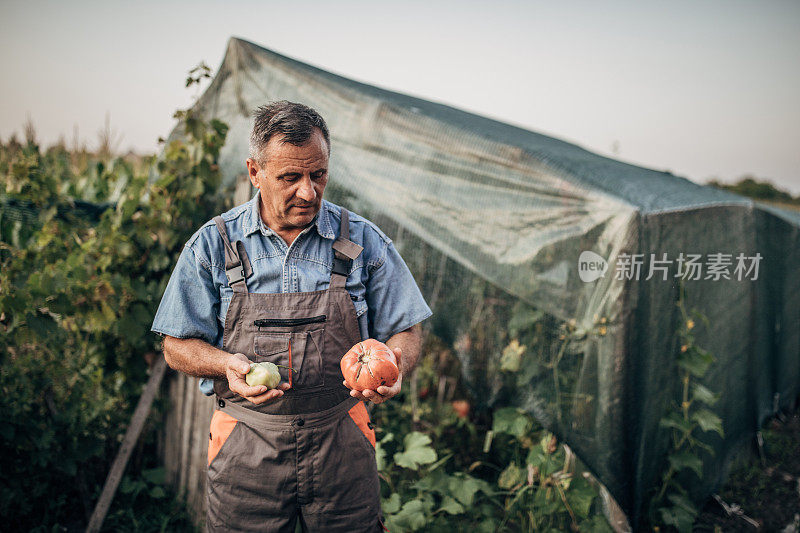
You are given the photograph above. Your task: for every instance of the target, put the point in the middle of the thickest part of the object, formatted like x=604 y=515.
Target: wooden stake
x=131 y=436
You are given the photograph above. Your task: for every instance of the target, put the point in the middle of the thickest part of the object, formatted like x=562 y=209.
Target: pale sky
x=701 y=88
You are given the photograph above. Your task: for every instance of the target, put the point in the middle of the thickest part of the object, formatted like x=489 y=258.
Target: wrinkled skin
x=290 y=180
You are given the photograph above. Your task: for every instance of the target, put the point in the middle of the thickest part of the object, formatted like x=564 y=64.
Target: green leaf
x=417 y=451
x=392 y=505
x=463 y=488
x=380 y=456
x=547 y=463
x=42 y=325
x=536 y=456
x=436 y=481
x=676 y=421
x=220 y=127
x=696 y=361
x=512 y=421
x=580 y=496
x=685 y=459
x=708 y=421
x=487 y=525
x=703 y=394
x=44 y=238
x=678 y=518
x=157 y=492
x=511 y=476
x=412 y=516
x=681 y=501
x=450 y=506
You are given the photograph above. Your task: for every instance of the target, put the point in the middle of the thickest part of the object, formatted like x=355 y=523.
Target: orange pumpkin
x=368 y=365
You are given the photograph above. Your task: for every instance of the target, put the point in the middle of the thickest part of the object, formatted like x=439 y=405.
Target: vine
x=671 y=507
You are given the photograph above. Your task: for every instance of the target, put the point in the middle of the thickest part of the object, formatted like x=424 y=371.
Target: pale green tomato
x=263 y=374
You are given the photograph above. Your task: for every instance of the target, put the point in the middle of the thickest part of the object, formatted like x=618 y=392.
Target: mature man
x=293 y=279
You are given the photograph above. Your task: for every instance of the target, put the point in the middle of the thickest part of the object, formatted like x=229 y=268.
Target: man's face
x=291 y=181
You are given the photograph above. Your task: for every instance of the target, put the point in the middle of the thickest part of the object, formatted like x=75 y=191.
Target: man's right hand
x=236 y=367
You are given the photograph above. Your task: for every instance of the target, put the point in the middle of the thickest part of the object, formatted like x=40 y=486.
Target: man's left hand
x=383 y=393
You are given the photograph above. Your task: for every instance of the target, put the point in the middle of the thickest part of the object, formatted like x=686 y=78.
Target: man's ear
x=252 y=171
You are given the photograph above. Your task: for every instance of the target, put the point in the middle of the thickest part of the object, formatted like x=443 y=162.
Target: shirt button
x=221 y=403
x=299 y=422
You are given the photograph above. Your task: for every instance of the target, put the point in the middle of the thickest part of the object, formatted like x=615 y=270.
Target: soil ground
x=766 y=491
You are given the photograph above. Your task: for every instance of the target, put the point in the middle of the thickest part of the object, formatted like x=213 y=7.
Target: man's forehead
x=287 y=163
x=278 y=146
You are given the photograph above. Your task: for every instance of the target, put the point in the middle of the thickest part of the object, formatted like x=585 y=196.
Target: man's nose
x=306 y=190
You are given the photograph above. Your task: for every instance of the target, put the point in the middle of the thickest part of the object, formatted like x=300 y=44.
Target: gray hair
x=294 y=122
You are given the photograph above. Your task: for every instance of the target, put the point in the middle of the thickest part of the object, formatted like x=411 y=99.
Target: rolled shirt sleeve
x=190 y=303
x=394 y=301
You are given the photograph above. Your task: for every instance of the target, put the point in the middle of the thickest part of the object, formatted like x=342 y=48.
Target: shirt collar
x=252 y=221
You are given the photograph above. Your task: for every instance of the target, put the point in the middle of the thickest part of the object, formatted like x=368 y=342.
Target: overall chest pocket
x=295 y=344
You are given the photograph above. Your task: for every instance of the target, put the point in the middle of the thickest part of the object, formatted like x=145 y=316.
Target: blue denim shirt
x=385 y=295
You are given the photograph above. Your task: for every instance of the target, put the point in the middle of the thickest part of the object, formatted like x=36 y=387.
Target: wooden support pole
x=131 y=436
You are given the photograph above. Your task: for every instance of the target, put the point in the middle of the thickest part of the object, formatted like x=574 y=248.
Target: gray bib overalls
x=308 y=454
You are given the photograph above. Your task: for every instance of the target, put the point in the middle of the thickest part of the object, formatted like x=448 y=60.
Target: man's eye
x=319 y=175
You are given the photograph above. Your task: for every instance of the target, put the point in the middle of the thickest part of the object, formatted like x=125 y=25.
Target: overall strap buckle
x=237 y=264
x=344 y=251
x=341 y=266
x=234 y=274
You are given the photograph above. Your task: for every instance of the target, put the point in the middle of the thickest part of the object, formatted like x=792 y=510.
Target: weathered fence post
x=186 y=441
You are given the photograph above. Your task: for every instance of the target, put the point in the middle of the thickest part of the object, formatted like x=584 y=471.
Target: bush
x=80 y=280
x=446 y=468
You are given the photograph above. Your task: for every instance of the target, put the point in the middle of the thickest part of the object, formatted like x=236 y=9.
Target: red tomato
x=368 y=365
x=461 y=407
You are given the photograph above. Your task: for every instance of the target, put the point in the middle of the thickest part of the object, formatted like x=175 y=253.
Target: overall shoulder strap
x=344 y=251
x=237 y=264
